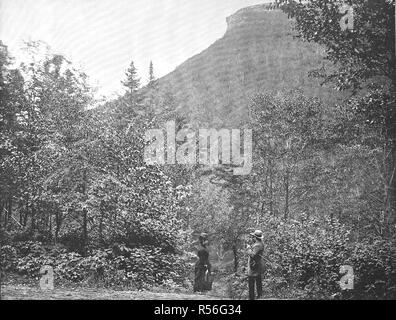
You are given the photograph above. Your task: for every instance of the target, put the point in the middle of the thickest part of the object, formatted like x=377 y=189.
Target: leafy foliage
x=77 y=195
x=75 y=176
x=361 y=52
x=363 y=60
x=140 y=266
x=304 y=257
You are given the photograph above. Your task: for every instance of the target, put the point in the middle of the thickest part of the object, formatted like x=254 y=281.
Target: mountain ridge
x=258 y=53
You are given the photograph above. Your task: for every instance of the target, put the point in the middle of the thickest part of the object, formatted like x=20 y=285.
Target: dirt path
x=23 y=292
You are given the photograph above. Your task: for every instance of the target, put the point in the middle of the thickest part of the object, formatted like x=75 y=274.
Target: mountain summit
x=258 y=53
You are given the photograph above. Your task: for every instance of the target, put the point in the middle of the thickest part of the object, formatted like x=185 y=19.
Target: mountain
x=258 y=53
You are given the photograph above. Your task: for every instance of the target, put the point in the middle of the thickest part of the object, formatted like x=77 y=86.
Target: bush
x=72 y=240
x=69 y=266
x=25 y=234
x=8 y=258
x=120 y=265
x=150 y=265
x=237 y=286
x=30 y=265
x=374 y=266
x=32 y=255
x=307 y=254
x=34 y=248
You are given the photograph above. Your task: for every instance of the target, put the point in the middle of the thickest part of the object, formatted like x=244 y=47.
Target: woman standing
x=202 y=280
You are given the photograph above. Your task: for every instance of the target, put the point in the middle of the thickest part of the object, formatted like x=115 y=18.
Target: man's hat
x=203 y=236
x=257 y=234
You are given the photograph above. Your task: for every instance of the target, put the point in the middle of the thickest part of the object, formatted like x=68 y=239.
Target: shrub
x=30 y=265
x=69 y=266
x=34 y=248
x=149 y=265
x=308 y=254
x=72 y=240
x=237 y=286
x=25 y=234
x=121 y=265
x=374 y=266
x=8 y=258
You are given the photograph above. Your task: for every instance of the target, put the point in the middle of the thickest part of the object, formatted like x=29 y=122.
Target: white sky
x=103 y=36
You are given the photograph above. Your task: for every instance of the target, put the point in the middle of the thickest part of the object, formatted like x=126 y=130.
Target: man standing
x=255 y=267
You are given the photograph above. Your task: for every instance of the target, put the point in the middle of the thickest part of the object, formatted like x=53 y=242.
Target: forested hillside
x=259 y=52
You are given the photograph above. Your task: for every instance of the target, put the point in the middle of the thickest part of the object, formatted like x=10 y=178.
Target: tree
x=151 y=72
x=362 y=49
x=320 y=161
x=15 y=142
x=363 y=52
x=132 y=81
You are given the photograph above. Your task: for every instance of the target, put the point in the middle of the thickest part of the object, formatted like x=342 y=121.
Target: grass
x=14 y=287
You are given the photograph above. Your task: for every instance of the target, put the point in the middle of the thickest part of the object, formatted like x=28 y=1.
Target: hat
x=258 y=234
x=203 y=236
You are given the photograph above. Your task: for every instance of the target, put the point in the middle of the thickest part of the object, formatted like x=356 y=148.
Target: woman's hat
x=258 y=234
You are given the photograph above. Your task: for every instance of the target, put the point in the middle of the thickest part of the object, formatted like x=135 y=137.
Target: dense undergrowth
x=303 y=260
x=119 y=266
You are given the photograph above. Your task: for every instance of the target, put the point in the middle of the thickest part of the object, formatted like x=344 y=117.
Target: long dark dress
x=201 y=266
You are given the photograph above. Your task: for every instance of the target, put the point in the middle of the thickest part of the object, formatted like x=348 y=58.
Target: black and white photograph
x=205 y=150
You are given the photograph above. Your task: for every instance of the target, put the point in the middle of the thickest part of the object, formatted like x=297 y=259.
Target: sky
x=102 y=37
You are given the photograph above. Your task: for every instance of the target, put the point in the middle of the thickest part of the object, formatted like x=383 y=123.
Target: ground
x=22 y=292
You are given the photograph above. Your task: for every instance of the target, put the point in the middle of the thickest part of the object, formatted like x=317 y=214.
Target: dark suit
x=255 y=269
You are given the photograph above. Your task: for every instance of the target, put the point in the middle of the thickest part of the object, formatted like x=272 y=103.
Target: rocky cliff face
x=250 y=15
x=257 y=54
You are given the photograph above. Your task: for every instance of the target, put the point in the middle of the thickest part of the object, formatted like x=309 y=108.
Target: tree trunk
x=50 y=224
x=58 y=224
x=33 y=218
x=271 y=190
x=101 y=224
x=236 y=261
x=1 y=211
x=25 y=214
x=85 y=232
x=25 y=218
x=85 y=216
x=391 y=205
x=10 y=209
x=391 y=194
x=286 y=184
